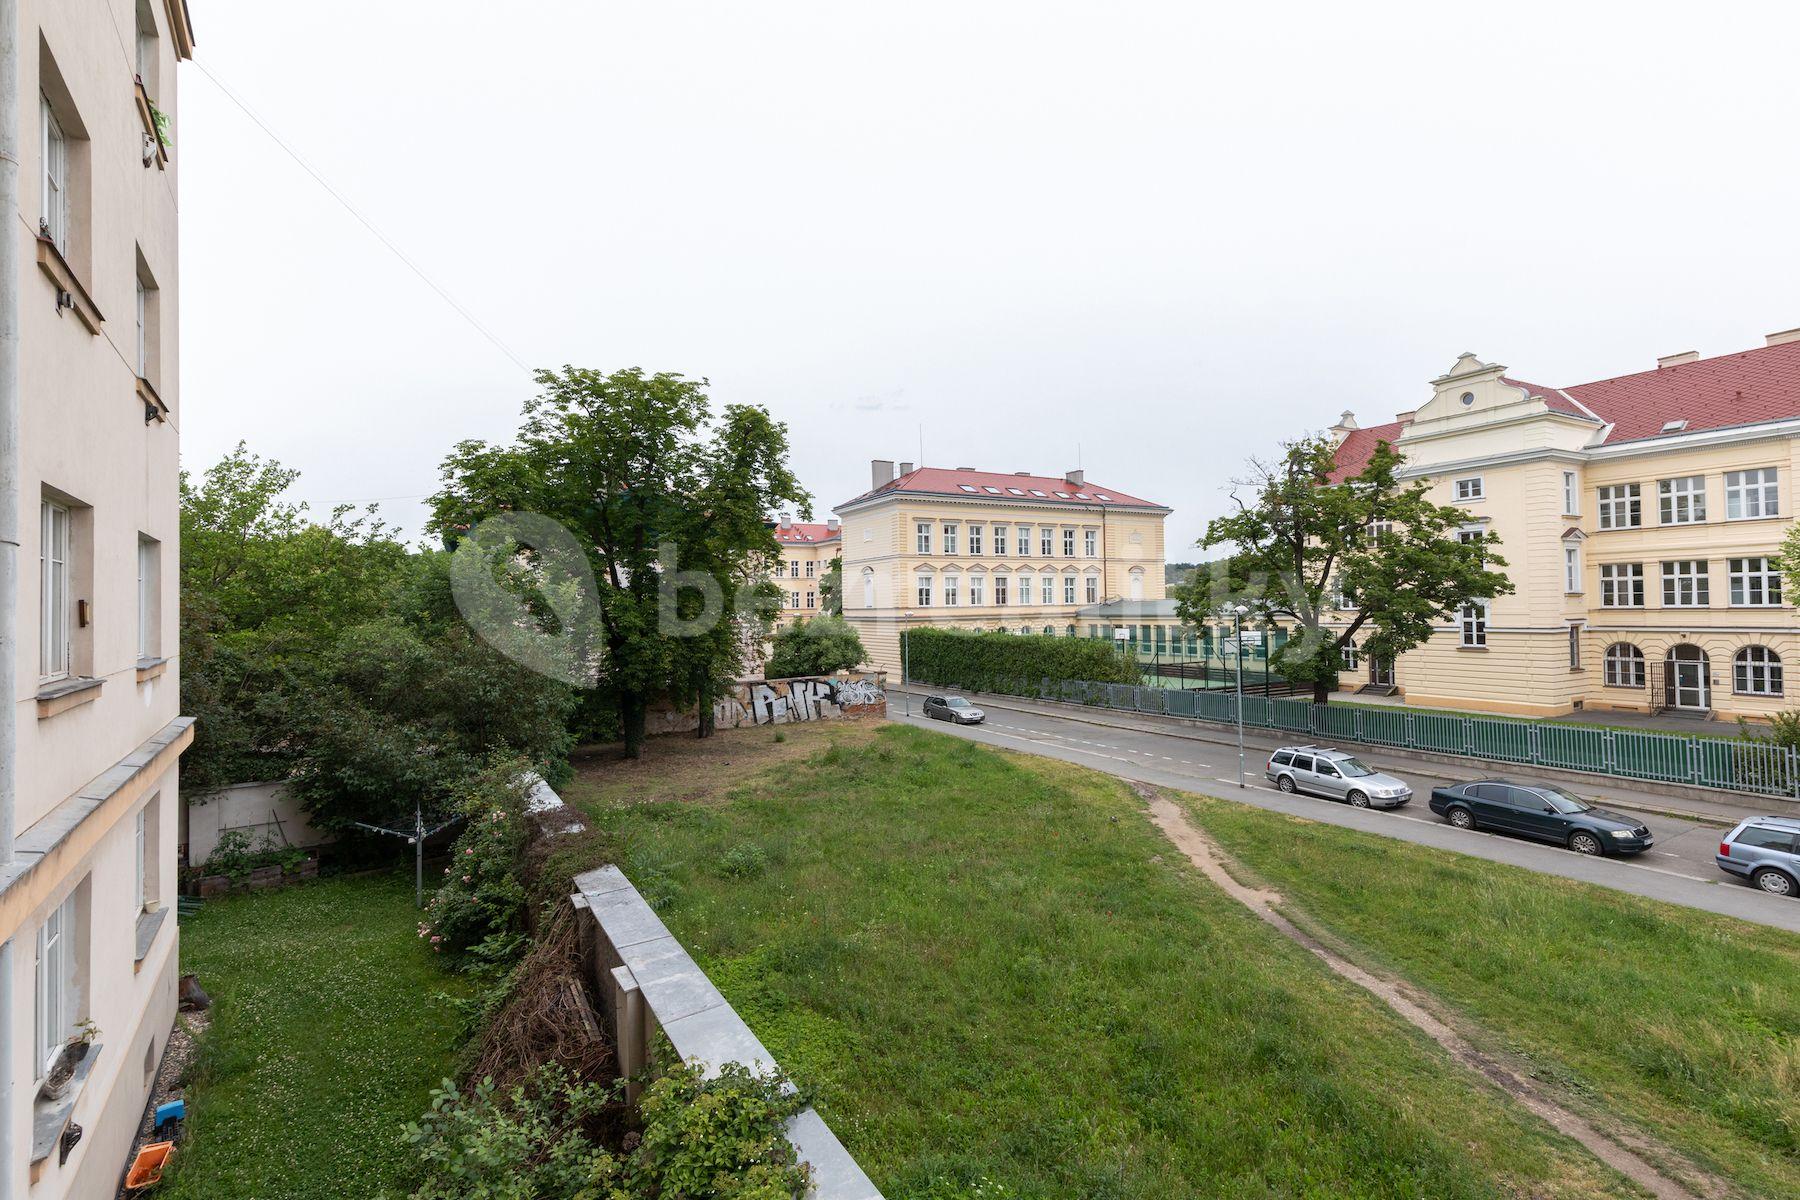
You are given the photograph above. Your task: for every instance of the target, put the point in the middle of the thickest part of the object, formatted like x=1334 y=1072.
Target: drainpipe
x=9 y=538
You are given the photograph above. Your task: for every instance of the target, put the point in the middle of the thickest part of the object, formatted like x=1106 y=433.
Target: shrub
x=744 y=861
x=479 y=911
x=720 y=1137
x=821 y=646
x=236 y=857
x=1004 y=662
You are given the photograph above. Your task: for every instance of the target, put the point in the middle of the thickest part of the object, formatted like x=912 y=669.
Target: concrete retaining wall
x=648 y=983
x=782 y=701
x=264 y=812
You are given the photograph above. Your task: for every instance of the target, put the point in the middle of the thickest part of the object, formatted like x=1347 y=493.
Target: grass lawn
x=328 y=1033
x=1686 y=1021
x=1002 y=982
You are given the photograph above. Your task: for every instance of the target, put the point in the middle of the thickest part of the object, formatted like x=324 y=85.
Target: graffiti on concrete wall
x=780 y=701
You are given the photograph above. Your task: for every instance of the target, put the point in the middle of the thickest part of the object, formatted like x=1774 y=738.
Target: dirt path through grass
x=1609 y=1149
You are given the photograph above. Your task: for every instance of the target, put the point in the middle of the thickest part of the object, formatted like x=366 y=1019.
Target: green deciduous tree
x=1299 y=542
x=672 y=503
x=819 y=646
x=831 y=587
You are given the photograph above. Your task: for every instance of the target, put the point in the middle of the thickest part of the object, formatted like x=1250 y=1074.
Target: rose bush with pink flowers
x=478 y=913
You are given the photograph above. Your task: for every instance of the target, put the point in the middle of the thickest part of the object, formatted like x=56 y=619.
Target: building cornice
x=1642 y=447
x=1025 y=504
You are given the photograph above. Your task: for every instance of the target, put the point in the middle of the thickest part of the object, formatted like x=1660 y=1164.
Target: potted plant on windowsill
x=62 y=1071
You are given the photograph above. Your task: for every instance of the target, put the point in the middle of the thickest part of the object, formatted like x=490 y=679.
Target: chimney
x=1075 y=479
x=1686 y=356
x=1346 y=424
x=787 y=520
x=1783 y=338
x=881 y=471
x=906 y=468
x=831 y=523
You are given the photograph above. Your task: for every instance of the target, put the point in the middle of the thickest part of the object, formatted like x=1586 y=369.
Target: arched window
x=1136 y=583
x=1756 y=671
x=868 y=578
x=1624 y=665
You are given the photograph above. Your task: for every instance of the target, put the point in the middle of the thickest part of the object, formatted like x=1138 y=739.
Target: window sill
x=149 y=924
x=50 y=1117
x=152 y=399
x=54 y=265
x=143 y=107
x=65 y=694
x=1746 y=520
x=150 y=668
x=1474 y=649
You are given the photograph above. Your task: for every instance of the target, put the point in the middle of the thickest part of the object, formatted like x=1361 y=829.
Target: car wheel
x=1462 y=818
x=1585 y=843
x=1773 y=882
x=1358 y=800
x=1286 y=784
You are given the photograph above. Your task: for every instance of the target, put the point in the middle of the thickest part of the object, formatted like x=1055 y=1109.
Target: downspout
x=9 y=540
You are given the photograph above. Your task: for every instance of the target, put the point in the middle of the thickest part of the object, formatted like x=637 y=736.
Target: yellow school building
x=806 y=553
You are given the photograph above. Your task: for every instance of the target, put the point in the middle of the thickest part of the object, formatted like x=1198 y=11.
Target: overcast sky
x=1156 y=238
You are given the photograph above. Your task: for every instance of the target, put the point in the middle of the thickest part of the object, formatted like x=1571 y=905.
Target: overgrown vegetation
x=235 y=856
x=819 y=646
x=1000 y=981
x=1001 y=662
x=479 y=912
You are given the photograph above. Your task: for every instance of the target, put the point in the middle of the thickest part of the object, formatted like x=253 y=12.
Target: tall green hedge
x=1006 y=662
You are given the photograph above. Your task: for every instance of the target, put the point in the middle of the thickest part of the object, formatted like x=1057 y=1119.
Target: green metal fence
x=1736 y=765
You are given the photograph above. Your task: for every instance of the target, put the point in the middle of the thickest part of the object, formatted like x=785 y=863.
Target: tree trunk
x=1321 y=691
x=632 y=712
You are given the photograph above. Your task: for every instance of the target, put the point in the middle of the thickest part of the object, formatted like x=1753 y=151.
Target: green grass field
x=1002 y=982
x=329 y=1031
x=1687 y=1023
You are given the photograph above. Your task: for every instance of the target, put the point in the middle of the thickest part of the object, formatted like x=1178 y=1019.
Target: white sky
x=1169 y=237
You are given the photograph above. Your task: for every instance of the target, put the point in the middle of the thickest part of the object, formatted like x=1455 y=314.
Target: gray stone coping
x=50 y=1117
x=700 y=1024
x=147 y=926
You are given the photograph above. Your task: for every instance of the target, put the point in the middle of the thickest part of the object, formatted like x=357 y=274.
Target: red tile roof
x=993 y=485
x=805 y=533
x=1747 y=388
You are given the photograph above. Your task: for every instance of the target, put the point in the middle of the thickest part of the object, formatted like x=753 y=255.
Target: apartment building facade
x=807 y=549
x=994 y=552
x=89 y=966
x=1639 y=518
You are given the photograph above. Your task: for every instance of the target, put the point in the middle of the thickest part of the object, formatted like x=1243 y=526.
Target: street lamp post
x=1237 y=627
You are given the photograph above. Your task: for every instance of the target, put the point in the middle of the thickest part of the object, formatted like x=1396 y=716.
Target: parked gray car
x=1336 y=775
x=1766 y=851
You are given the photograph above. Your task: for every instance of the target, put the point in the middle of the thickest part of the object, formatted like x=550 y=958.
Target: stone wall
x=782 y=701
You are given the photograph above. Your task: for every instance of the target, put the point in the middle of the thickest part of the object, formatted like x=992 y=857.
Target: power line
x=350 y=208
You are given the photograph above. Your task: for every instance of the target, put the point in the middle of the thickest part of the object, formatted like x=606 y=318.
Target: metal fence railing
x=1734 y=764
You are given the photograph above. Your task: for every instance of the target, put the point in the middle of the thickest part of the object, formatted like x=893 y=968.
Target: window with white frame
x=1024 y=545
x=1574 y=647
x=1045 y=540
x=1471 y=535
x=1000 y=587
x=812 y=599
x=1621 y=585
x=1621 y=506
x=1380 y=531
x=1755 y=582
x=55 y=985
x=148 y=586
x=949 y=539
x=1000 y=541
x=977 y=590
x=952 y=585
x=143 y=356
x=1068 y=589
x=1474 y=622
x=1347 y=656
x=781 y=568
x=868 y=582
x=54 y=603
x=1750 y=494
x=1681 y=501
x=922 y=534
x=54 y=146
x=811 y=566
x=1624 y=665
x=1471 y=488
x=1571 y=495
x=793 y=599
x=1093 y=589
x=1026 y=583
x=1685 y=584
x=976 y=537
x=1068 y=543
x=1090 y=546
x=1756 y=671
x=1047 y=590
x=923 y=583
x=140 y=857
x=1571 y=568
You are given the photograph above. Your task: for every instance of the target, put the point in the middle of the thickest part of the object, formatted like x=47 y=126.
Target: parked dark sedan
x=1542 y=811
x=953 y=708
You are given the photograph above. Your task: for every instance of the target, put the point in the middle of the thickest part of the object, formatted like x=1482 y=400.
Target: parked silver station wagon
x=1336 y=775
x=1766 y=851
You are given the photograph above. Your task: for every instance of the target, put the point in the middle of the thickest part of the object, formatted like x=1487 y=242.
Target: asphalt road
x=1679 y=869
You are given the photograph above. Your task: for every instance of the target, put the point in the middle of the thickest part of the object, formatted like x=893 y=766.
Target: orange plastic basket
x=147 y=1167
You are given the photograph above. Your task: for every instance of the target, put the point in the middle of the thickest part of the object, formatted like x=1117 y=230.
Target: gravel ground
x=184 y=1040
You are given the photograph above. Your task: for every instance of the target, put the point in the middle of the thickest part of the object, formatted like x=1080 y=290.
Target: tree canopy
x=819 y=646
x=1370 y=561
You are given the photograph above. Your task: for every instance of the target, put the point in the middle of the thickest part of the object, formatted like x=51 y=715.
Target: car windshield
x=1353 y=768
x=1563 y=802
x=957 y=702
